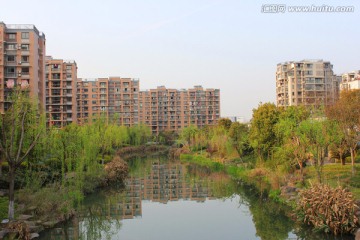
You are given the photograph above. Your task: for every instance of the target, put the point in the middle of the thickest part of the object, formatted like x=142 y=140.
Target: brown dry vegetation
x=328 y=209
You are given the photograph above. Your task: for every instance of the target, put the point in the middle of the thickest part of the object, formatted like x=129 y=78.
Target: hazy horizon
x=223 y=44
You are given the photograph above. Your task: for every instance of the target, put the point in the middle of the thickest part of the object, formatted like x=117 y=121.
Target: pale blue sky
x=226 y=44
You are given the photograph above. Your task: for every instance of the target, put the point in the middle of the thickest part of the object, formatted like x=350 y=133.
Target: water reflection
x=168 y=200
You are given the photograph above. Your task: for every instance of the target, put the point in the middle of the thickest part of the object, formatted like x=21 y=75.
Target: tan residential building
x=61 y=78
x=171 y=110
x=307 y=82
x=22 y=61
x=350 y=81
x=114 y=97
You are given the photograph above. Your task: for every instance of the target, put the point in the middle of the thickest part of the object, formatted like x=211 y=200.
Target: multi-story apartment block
x=307 y=82
x=22 y=62
x=114 y=97
x=61 y=78
x=171 y=109
x=350 y=80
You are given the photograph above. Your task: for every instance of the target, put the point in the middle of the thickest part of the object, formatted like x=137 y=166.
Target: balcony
x=10 y=63
x=10 y=75
x=10 y=52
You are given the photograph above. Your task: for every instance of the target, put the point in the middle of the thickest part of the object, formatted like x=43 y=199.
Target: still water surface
x=170 y=200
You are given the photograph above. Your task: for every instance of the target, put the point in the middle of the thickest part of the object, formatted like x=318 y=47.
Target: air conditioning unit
x=19 y=47
x=19 y=74
x=20 y=62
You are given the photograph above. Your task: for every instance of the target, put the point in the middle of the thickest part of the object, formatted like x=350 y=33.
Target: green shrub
x=275 y=195
x=4 y=204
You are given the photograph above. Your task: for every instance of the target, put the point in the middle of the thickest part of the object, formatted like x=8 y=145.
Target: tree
x=239 y=135
x=346 y=112
x=292 y=139
x=317 y=135
x=21 y=127
x=262 y=130
x=225 y=123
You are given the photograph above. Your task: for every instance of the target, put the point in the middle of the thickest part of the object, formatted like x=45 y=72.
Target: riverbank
x=282 y=188
x=42 y=207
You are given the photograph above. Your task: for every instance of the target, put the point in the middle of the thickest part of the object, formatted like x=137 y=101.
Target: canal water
x=165 y=199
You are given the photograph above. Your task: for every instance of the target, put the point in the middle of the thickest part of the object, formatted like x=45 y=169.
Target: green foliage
x=239 y=136
x=202 y=161
x=262 y=131
x=274 y=194
x=224 y=123
x=4 y=203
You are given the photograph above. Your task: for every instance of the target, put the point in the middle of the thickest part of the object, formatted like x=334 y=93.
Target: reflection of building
x=165 y=182
x=307 y=82
x=22 y=61
x=350 y=81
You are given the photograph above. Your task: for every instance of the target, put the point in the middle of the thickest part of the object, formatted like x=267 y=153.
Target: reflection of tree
x=270 y=219
x=96 y=220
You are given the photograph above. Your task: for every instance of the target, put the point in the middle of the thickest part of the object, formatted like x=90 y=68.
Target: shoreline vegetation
x=283 y=152
x=42 y=207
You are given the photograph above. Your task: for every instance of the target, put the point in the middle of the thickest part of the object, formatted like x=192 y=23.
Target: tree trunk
x=11 y=193
x=352 y=160
x=342 y=160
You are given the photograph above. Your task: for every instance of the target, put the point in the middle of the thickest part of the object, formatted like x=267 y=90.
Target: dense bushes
x=328 y=209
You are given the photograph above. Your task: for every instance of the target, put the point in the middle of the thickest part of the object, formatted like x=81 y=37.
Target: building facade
x=350 y=81
x=115 y=98
x=22 y=62
x=307 y=82
x=61 y=78
x=171 y=110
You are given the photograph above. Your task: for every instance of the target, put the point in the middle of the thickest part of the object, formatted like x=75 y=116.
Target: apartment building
x=171 y=109
x=350 y=80
x=61 y=79
x=114 y=97
x=22 y=62
x=307 y=82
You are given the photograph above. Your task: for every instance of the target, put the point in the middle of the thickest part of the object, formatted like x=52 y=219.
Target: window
x=24 y=58
x=24 y=35
x=25 y=70
x=25 y=46
x=10 y=58
x=68 y=67
x=10 y=47
x=12 y=36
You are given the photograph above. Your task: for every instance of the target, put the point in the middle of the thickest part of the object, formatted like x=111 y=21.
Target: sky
x=227 y=44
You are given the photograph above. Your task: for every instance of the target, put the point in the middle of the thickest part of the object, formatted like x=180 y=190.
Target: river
x=165 y=199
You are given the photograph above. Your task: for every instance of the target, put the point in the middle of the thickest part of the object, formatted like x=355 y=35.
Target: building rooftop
x=24 y=27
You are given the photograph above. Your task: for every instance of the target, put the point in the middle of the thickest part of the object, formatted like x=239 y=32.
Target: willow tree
x=21 y=127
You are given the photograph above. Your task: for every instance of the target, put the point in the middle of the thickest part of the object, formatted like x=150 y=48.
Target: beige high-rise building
x=171 y=110
x=350 y=81
x=307 y=82
x=61 y=79
x=22 y=61
x=114 y=97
